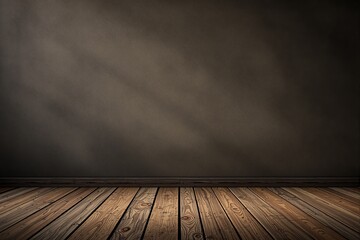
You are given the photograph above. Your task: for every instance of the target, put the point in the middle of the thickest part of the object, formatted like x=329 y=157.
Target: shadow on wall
x=178 y=88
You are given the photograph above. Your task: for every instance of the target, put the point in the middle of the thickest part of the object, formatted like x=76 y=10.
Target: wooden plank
x=272 y=221
x=335 y=199
x=21 y=199
x=299 y=218
x=57 y=214
x=330 y=209
x=34 y=223
x=189 y=215
x=354 y=190
x=163 y=222
x=215 y=221
x=247 y=226
x=342 y=205
x=354 y=197
x=17 y=214
x=101 y=222
x=14 y=194
x=317 y=214
x=2 y=190
x=64 y=225
x=133 y=223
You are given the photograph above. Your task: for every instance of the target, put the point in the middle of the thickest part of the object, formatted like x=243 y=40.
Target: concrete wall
x=179 y=88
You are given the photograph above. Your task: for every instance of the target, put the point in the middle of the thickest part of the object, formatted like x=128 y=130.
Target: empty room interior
x=179 y=119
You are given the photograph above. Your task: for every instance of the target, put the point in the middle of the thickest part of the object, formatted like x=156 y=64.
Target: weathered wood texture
x=103 y=220
x=189 y=215
x=179 y=213
x=215 y=222
x=274 y=222
x=133 y=223
x=163 y=222
x=245 y=223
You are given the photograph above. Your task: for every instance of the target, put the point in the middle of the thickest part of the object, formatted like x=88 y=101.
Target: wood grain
x=302 y=220
x=17 y=214
x=245 y=223
x=273 y=221
x=354 y=197
x=330 y=209
x=189 y=215
x=163 y=222
x=14 y=194
x=2 y=190
x=320 y=216
x=133 y=222
x=215 y=221
x=34 y=223
x=64 y=225
x=101 y=222
x=179 y=213
x=354 y=190
x=21 y=199
x=335 y=199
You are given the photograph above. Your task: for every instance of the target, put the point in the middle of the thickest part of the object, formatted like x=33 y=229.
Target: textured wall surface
x=179 y=88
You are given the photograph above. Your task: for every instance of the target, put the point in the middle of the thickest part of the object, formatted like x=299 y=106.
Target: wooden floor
x=179 y=213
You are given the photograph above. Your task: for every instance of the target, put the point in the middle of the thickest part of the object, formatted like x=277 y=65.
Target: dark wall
x=179 y=88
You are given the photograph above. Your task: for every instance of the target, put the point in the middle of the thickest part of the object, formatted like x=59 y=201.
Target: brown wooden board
x=163 y=222
x=64 y=225
x=299 y=218
x=134 y=221
x=330 y=209
x=214 y=219
x=335 y=199
x=17 y=214
x=189 y=215
x=22 y=199
x=35 y=222
x=316 y=213
x=103 y=220
x=14 y=194
x=351 y=196
x=275 y=223
x=247 y=226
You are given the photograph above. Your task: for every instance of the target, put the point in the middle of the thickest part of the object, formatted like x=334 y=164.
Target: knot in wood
x=185 y=218
x=125 y=229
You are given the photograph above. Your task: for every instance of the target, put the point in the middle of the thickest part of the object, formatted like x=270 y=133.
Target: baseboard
x=181 y=181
